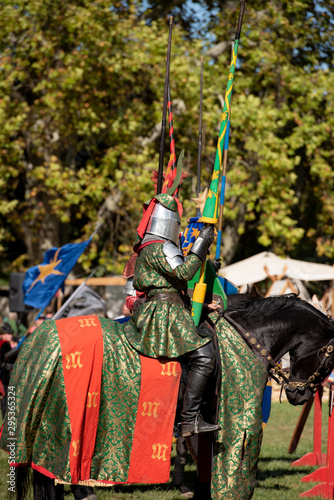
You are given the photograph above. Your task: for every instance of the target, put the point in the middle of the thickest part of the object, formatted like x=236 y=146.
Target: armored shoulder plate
x=129 y=290
x=173 y=255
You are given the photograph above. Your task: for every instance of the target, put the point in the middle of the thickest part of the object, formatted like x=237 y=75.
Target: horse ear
x=318 y=304
x=255 y=292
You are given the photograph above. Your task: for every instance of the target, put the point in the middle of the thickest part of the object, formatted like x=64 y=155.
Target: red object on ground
x=324 y=475
x=316 y=457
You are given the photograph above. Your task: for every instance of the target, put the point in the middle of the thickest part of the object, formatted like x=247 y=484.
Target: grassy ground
x=277 y=480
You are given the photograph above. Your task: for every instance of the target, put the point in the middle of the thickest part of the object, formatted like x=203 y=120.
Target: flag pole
x=199 y=157
x=74 y=294
x=211 y=206
x=210 y=212
x=164 y=110
x=223 y=179
x=199 y=154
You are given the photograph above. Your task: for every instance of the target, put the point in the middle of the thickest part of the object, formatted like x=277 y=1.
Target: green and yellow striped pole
x=210 y=212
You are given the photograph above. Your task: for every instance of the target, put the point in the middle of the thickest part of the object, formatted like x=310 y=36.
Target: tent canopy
x=253 y=269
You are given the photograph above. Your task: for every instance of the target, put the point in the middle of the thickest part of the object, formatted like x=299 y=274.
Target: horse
x=126 y=441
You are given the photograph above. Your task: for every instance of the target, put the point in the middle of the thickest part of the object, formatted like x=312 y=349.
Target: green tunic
x=161 y=328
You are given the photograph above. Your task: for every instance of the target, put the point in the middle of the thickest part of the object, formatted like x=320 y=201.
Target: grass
x=277 y=479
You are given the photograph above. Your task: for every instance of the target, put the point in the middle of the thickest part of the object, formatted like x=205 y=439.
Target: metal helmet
x=165 y=222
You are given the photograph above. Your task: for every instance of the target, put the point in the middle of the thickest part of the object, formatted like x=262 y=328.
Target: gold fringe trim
x=86 y=482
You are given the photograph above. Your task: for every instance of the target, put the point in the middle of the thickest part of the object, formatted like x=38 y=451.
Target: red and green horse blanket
x=90 y=409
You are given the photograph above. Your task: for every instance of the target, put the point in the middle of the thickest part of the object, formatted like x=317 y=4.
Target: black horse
x=253 y=333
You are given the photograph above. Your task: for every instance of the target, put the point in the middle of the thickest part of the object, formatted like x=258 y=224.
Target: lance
x=164 y=110
x=210 y=212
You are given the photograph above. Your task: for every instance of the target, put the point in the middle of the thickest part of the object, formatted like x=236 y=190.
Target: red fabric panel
x=179 y=206
x=152 y=440
x=149 y=243
x=129 y=269
x=42 y=470
x=146 y=217
x=81 y=344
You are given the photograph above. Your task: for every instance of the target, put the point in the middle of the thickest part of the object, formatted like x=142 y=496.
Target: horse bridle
x=276 y=371
x=314 y=380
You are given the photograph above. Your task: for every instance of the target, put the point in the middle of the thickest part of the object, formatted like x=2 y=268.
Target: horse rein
x=276 y=372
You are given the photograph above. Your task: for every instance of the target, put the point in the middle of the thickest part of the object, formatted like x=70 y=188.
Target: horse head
x=288 y=324
x=311 y=357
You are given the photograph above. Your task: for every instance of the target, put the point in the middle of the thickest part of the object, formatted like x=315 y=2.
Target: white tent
x=258 y=267
x=287 y=285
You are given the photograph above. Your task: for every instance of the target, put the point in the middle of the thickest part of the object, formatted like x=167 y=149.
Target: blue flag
x=266 y=402
x=190 y=234
x=43 y=281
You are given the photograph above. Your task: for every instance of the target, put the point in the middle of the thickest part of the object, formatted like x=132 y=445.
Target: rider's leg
x=201 y=363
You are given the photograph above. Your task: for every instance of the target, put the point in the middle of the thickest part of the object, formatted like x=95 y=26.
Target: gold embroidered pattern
x=87 y=322
x=76 y=446
x=150 y=409
x=159 y=451
x=73 y=360
x=169 y=369
x=92 y=397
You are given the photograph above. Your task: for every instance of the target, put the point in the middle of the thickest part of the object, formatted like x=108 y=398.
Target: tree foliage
x=81 y=103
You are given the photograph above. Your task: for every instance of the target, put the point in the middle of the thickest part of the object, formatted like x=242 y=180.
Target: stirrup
x=197 y=426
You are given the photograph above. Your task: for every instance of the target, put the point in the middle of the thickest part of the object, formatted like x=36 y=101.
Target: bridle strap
x=314 y=380
x=275 y=369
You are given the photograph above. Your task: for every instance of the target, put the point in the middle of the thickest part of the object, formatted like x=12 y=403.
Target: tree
x=82 y=85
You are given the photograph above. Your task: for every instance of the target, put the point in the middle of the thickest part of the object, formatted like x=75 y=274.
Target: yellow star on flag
x=46 y=270
x=195 y=232
x=200 y=200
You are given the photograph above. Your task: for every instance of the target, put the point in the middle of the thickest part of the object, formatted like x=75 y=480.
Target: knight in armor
x=162 y=325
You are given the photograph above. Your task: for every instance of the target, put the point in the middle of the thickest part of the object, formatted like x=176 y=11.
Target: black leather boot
x=192 y=421
x=198 y=426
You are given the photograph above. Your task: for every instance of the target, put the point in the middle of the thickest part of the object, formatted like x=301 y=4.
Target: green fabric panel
x=162 y=329
x=214 y=288
x=32 y=378
x=118 y=406
x=243 y=381
x=167 y=201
